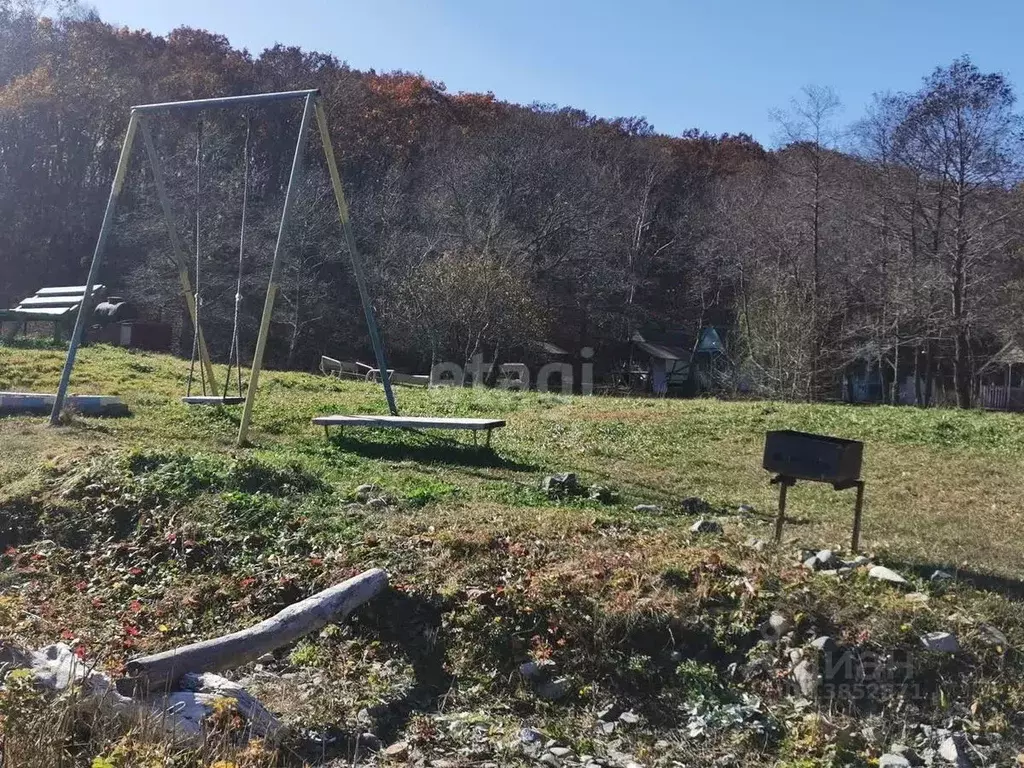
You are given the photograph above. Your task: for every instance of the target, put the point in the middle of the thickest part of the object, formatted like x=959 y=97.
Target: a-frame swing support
x=311 y=106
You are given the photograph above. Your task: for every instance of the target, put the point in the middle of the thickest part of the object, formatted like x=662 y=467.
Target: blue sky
x=718 y=66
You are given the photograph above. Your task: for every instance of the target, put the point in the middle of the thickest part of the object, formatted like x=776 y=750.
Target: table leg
x=858 y=509
x=783 y=488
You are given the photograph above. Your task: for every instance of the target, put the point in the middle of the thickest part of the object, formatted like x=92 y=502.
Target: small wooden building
x=681 y=363
x=1001 y=379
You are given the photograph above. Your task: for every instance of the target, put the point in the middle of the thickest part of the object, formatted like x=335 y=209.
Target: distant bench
x=39 y=404
x=58 y=305
x=411 y=422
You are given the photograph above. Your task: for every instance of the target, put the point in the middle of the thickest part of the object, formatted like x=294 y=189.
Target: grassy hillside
x=157 y=531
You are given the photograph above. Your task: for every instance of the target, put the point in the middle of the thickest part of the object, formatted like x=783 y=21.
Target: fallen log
x=163 y=670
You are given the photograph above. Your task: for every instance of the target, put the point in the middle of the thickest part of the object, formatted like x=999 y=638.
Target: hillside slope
x=144 y=533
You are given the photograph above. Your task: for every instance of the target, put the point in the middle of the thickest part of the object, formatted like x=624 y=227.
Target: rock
x=695 y=505
x=648 y=509
x=530 y=736
x=821 y=560
x=941 y=576
x=825 y=644
x=553 y=690
x=377 y=503
x=368 y=717
x=607 y=728
x=537 y=671
x=706 y=526
x=993 y=636
x=916 y=597
x=907 y=753
x=629 y=717
x=364 y=492
x=805 y=674
x=758 y=545
x=531 y=742
x=266 y=658
x=369 y=741
x=602 y=494
x=882 y=573
x=398 y=751
x=560 y=485
x=776 y=626
x=550 y=760
x=746 y=509
x=857 y=562
x=561 y=752
x=954 y=750
x=611 y=712
x=890 y=760
x=943 y=642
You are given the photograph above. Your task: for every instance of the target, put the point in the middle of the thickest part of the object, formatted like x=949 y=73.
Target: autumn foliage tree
x=522 y=222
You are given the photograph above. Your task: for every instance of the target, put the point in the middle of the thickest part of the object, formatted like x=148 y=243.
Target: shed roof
x=663 y=351
x=1011 y=354
x=549 y=348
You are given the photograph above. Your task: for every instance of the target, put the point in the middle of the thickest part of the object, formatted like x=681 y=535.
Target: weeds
x=156 y=532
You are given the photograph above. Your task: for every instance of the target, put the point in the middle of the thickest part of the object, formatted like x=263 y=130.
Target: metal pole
x=85 y=308
x=268 y=305
x=857 y=510
x=223 y=101
x=350 y=240
x=178 y=253
x=784 y=483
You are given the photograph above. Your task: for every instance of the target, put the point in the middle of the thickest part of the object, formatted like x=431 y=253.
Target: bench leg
x=475 y=441
x=327 y=432
x=488 y=438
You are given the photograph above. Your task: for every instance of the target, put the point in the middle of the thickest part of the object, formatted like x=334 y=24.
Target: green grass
x=932 y=475
x=161 y=510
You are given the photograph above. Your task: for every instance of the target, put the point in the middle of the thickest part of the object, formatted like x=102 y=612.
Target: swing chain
x=198 y=294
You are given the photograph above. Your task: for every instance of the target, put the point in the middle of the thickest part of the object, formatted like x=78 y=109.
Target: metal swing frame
x=138 y=122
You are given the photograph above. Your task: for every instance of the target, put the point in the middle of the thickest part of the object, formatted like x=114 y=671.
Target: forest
x=890 y=246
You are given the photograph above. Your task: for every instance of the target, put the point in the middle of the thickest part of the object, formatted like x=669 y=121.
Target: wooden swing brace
x=135 y=121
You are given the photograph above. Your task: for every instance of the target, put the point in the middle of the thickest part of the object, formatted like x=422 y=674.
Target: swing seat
x=212 y=400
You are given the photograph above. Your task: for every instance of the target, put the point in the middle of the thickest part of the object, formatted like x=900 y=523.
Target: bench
x=411 y=422
x=57 y=305
x=411 y=379
x=342 y=368
x=40 y=404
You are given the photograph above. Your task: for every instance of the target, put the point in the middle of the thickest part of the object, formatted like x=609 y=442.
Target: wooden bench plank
x=212 y=400
x=69 y=290
x=40 y=403
x=411 y=422
x=38 y=313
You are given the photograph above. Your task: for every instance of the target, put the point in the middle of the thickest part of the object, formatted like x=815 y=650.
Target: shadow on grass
x=409 y=628
x=425 y=449
x=1011 y=589
x=218 y=414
